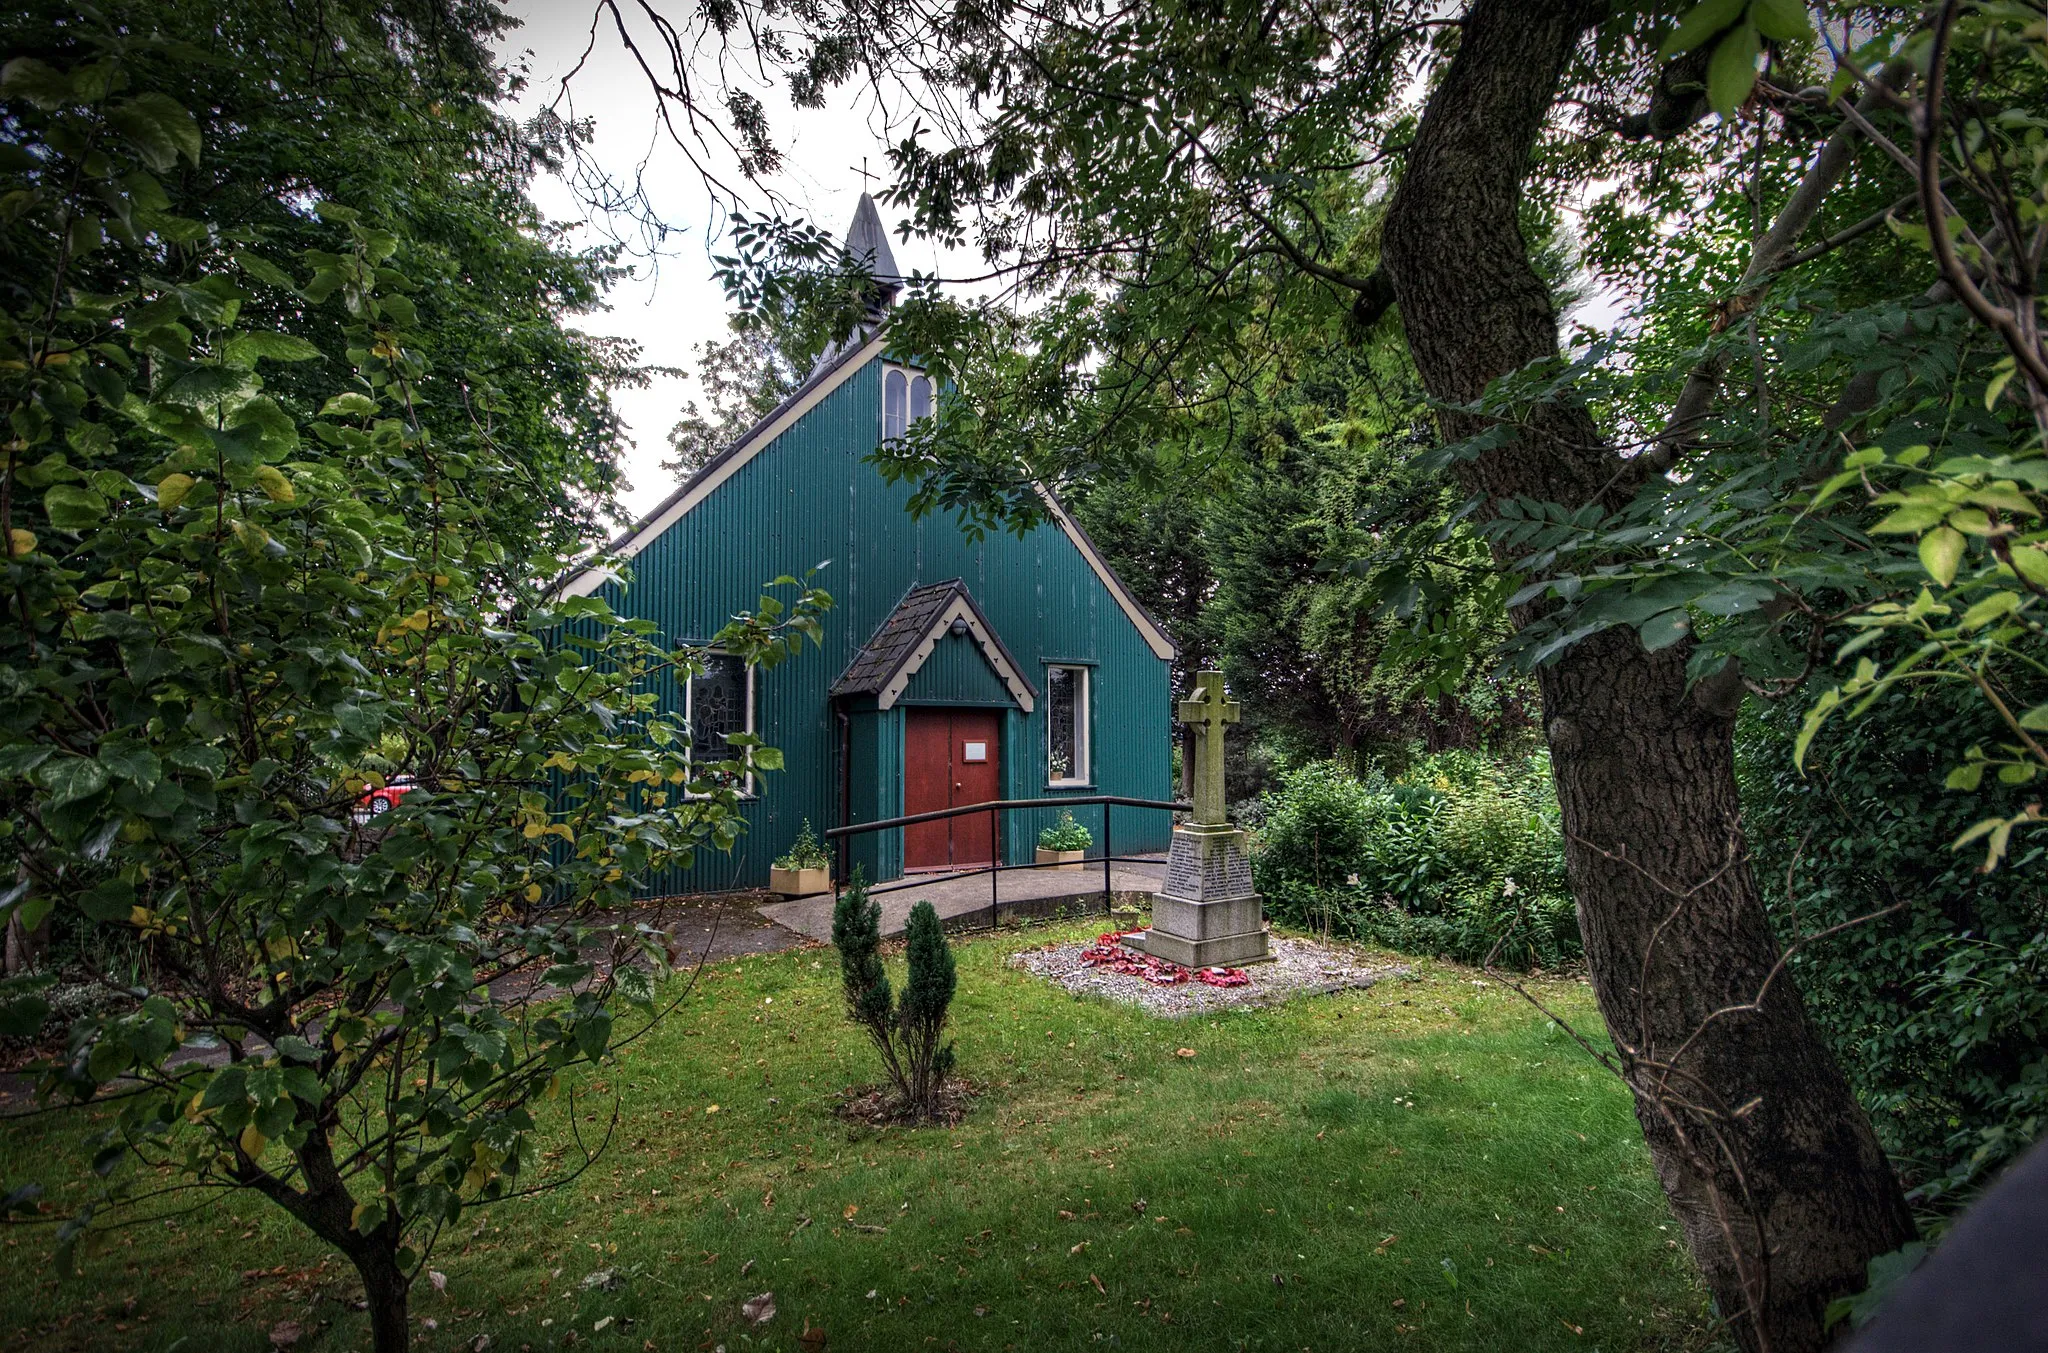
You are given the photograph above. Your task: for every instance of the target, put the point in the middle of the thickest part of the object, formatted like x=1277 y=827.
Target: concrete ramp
x=963 y=901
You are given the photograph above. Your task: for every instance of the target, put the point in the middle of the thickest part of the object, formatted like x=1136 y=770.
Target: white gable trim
x=958 y=609
x=718 y=471
x=1155 y=638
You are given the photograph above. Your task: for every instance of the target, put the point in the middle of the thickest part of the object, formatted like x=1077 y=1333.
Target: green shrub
x=1315 y=830
x=1462 y=857
x=1937 y=1012
x=905 y=1033
x=805 y=852
x=1066 y=834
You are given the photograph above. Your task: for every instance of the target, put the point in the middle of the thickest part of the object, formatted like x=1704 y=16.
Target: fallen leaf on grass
x=851 y=1208
x=1098 y=1284
x=284 y=1334
x=812 y=1337
x=1575 y=1329
x=1066 y=1215
x=760 y=1310
x=438 y=1279
x=1381 y=1248
x=1183 y=1052
x=602 y=1323
x=1078 y=1248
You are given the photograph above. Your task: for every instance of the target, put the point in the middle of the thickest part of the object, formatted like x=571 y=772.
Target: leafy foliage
x=805 y=852
x=256 y=569
x=743 y=379
x=1937 y=1010
x=1456 y=857
x=1066 y=834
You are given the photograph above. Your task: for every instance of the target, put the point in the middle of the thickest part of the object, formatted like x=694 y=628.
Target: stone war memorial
x=1208 y=913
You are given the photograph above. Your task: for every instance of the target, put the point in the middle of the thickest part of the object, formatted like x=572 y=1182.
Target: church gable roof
x=911 y=633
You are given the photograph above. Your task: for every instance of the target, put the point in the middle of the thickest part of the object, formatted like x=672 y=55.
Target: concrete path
x=963 y=902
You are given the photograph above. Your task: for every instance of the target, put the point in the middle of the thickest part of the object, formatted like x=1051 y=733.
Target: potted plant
x=1064 y=843
x=804 y=869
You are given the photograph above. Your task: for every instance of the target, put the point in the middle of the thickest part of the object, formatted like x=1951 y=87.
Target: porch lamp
x=960 y=626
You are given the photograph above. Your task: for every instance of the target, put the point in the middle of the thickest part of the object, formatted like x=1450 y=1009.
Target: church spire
x=868 y=243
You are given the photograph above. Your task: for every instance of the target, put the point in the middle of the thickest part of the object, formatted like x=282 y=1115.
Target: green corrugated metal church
x=953 y=671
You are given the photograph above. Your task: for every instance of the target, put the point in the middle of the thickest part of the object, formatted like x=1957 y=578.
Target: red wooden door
x=951 y=757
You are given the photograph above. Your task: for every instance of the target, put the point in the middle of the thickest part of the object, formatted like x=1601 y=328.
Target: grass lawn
x=1425 y=1165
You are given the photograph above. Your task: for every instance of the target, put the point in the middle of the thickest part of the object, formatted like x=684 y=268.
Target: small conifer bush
x=908 y=1034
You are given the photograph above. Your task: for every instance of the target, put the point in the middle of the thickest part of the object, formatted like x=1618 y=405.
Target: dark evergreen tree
x=927 y=997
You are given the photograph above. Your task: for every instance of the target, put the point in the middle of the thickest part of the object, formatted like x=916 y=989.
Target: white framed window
x=1066 y=725
x=718 y=703
x=906 y=397
x=895 y=403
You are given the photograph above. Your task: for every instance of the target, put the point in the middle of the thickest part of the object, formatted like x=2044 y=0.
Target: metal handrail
x=995 y=869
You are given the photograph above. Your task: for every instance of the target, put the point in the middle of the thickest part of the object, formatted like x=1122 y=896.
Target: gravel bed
x=1298 y=968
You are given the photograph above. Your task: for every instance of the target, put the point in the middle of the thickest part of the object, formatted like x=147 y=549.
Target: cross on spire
x=1206 y=709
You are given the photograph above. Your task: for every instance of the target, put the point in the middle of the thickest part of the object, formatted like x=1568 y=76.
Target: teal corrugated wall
x=809 y=499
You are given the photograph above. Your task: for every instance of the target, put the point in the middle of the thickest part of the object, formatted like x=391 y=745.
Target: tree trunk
x=386 y=1289
x=326 y=1207
x=1763 y=1151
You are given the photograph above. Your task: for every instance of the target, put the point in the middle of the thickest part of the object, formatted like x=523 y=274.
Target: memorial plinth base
x=1207 y=915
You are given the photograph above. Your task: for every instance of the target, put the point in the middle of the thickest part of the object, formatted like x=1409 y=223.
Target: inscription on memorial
x=1200 y=870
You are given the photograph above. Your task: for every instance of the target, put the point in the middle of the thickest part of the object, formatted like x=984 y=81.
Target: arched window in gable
x=894 y=397
x=920 y=397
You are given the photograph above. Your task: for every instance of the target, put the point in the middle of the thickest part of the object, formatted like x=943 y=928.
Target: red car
x=385 y=799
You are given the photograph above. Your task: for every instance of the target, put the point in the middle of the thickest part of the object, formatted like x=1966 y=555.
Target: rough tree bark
x=1674 y=927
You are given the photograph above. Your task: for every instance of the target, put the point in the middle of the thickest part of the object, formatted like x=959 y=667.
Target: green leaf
x=134 y=763
x=174 y=119
x=1705 y=20
x=1988 y=610
x=1731 y=74
x=171 y=490
x=1664 y=629
x=768 y=758
x=247 y=349
x=1780 y=20
x=111 y=900
x=70 y=779
x=42 y=85
x=263 y=270
x=348 y=405
x=1966 y=776
x=73 y=508
x=1914 y=517
x=1940 y=551
x=274 y=484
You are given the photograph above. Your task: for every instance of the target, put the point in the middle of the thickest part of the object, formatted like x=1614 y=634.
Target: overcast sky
x=670 y=306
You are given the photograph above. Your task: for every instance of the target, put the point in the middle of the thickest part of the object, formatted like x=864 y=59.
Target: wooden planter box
x=799 y=882
x=1061 y=859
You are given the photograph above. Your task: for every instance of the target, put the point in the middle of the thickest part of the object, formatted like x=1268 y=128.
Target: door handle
x=958 y=785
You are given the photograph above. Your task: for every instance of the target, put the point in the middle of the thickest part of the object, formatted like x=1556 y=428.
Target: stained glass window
x=1066 y=724
x=719 y=706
